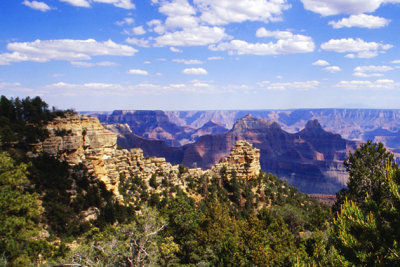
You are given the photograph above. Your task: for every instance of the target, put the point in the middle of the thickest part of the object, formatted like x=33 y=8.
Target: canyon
x=311 y=159
x=379 y=125
x=79 y=139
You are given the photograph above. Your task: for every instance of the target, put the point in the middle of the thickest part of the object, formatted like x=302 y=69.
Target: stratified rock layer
x=244 y=161
x=80 y=139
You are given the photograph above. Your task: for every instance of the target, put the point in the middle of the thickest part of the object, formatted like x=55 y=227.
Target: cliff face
x=354 y=124
x=150 y=124
x=80 y=139
x=155 y=125
x=311 y=159
x=244 y=161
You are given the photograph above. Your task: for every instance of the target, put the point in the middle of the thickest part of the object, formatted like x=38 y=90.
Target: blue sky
x=202 y=54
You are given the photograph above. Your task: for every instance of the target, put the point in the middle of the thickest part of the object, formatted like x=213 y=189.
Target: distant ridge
x=311 y=159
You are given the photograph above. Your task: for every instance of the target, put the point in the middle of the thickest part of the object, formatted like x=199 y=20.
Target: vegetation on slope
x=215 y=222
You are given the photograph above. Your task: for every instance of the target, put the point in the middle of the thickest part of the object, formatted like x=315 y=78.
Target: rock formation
x=311 y=159
x=81 y=139
x=244 y=161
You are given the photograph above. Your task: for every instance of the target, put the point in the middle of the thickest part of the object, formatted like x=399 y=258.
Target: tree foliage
x=19 y=213
x=366 y=228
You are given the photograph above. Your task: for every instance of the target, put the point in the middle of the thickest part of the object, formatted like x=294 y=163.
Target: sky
x=102 y=55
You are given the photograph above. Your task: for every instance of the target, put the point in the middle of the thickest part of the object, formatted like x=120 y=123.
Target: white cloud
x=126 y=4
x=397 y=61
x=262 y=32
x=156 y=26
x=298 y=86
x=8 y=84
x=332 y=69
x=287 y=43
x=63 y=49
x=138 y=30
x=175 y=50
x=320 y=62
x=215 y=58
x=80 y=3
x=371 y=71
x=188 y=61
x=181 y=22
x=361 y=21
x=334 y=7
x=199 y=36
x=223 y=12
x=356 y=47
x=382 y=84
x=366 y=75
x=37 y=5
x=138 y=42
x=138 y=72
x=113 y=89
x=125 y=21
x=176 y=8
x=91 y=64
x=373 y=68
x=195 y=71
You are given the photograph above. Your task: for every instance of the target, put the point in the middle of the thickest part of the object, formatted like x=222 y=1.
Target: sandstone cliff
x=311 y=159
x=80 y=139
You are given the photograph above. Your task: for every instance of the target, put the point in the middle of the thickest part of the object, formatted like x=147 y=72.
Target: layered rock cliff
x=311 y=159
x=80 y=139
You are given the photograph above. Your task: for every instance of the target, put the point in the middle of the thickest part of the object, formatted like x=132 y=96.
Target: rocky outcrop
x=244 y=161
x=150 y=124
x=80 y=139
x=311 y=159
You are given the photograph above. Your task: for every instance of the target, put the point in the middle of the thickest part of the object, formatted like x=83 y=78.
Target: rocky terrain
x=80 y=139
x=311 y=159
x=379 y=125
x=155 y=125
x=182 y=127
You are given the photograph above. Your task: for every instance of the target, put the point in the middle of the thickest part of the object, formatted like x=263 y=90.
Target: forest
x=220 y=222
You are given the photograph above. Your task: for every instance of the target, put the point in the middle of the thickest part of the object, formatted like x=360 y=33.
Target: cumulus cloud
x=37 y=5
x=79 y=3
x=138 y=72
x=194 y=71
x=188 y=61
x=126 y=4
x=355 y=47
x=334 y=7
x=199 y=36
x=176 y=8
x=361 y=21
x=138 y=30
x=321 y=62
x=397 y=61
x=125 y=21
x=223 y=12
x=382 y=84
x=175 y=50
x=298 y=86
x=138 y=42
x=287 y=43
x=156 y=26
x=180 y=14
x=371 y=71
x=63 y=49
x=332 y=69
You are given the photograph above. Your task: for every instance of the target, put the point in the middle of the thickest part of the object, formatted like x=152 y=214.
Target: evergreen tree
x=19 y=213
x=366 y=230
